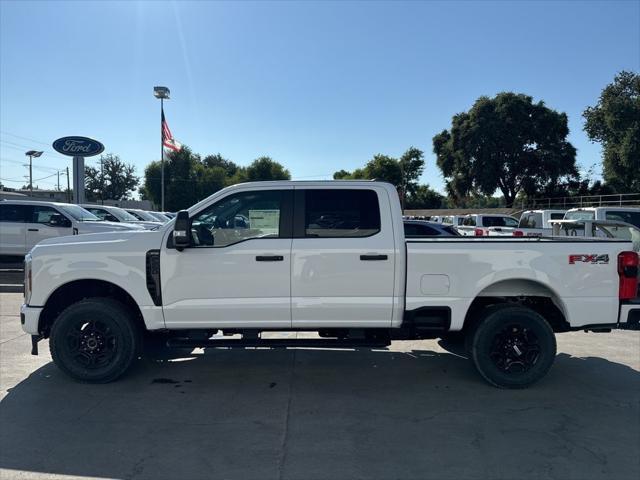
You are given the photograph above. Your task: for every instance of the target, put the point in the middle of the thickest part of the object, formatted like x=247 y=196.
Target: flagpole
x=161 y=156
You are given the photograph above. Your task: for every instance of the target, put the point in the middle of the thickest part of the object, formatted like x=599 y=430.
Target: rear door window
x=14 y=213
x=341 y=213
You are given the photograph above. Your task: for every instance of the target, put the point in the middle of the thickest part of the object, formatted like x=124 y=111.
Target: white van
x=25 y=223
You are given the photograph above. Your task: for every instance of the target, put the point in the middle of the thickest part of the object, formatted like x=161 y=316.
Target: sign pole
x=78 y=179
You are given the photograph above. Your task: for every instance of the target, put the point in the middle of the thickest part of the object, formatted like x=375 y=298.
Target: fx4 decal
x=584 y=258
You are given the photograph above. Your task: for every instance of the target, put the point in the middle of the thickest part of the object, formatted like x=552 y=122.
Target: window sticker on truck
x=584 y=258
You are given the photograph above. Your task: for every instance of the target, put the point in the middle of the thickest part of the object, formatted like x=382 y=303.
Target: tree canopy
x=615 y=123
x=506 y=143
x=115 y=181
x=404 y=173
x=189 y=178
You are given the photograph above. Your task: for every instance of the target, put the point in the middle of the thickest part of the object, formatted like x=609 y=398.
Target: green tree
x=385 y=169
x=181 y=187
x=342 y=175
x=505 y=143
x=422 y=196
x=217 y=160
x=265 y=168
x=615 y=123
x=116 y=180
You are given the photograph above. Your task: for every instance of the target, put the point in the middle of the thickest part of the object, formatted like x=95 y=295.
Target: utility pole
x=68 y=188
x=101 y=180
x=58 y=172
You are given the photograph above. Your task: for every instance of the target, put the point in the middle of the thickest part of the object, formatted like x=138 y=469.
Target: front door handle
x=269 y=258
x=33 y=230
x=373 y=257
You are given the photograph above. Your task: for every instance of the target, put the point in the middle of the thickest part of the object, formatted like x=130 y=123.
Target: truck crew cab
x=329 y=257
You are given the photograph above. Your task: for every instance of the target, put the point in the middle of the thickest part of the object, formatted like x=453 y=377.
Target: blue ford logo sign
x=78 y=146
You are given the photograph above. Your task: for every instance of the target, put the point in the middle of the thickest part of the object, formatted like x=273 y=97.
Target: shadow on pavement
x=324 y=414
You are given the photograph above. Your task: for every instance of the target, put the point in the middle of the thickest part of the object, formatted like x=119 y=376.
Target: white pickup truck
x=326 y=257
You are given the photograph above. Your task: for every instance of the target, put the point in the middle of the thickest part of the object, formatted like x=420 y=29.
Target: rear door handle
x=33 y=230
x=373 y=257
x=269 y=258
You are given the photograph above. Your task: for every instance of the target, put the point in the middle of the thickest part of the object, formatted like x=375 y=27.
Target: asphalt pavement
x=413 y=411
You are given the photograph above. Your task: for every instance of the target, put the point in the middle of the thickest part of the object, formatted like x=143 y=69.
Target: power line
x=24 y=138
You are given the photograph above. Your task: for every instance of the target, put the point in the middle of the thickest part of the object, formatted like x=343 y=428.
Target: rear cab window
x=489 y=221
x=624 y=216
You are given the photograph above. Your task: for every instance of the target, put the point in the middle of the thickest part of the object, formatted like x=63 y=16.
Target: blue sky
x=318 y=86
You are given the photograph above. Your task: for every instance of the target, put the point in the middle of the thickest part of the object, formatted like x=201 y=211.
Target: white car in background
x=143 y=215
x=118 y=215
x=479 y=225
x=24 y=223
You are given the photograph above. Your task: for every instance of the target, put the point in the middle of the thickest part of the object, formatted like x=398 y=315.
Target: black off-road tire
x=94 y=340
x=512 y=346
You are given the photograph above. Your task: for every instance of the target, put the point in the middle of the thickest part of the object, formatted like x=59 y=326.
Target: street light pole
x=161 y=156
x=162 y=93
x=31 y=154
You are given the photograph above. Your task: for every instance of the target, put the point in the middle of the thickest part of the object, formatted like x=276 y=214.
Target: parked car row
x=538 y=223
x=24 y=223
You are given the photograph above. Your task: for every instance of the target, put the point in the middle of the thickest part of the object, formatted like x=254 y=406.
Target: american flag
x=167 y=138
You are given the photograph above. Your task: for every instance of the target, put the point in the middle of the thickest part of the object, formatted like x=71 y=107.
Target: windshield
x=140 y=215
x=580 y=215
x=159 y=216
x=123 y=215
x=79 y=213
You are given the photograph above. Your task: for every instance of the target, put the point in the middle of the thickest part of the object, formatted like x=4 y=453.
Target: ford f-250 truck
x=329 y=257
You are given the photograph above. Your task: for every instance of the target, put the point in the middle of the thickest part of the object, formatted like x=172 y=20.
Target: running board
x=276 y=343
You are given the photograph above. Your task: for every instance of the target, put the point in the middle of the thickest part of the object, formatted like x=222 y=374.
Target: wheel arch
x=76 y=290
x=525 y=292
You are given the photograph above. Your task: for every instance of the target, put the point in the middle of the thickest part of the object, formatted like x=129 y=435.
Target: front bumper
x=29 y=318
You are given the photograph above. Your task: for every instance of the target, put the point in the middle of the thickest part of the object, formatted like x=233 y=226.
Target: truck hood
x=96 y=227
x=101 y=243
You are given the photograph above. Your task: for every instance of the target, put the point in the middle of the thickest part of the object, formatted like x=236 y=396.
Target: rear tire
x=94 y=340
x=512 y=346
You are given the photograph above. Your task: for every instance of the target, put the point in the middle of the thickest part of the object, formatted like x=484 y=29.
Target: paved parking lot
x=413 y=411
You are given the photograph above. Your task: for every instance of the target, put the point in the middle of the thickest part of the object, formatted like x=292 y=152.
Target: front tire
x=94 y=340
x=512 y=346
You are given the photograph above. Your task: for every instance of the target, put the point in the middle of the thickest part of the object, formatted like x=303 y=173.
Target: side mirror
x=182 y=230
x=58 y=220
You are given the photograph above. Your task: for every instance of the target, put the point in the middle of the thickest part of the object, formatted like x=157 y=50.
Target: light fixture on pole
x=162 y=93
x=31 y=154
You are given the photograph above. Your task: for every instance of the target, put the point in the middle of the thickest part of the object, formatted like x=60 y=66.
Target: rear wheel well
x=544 y=306
x=78 y=290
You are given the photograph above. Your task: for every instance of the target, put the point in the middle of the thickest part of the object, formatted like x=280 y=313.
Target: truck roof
x=35 y=202
x=609 y=207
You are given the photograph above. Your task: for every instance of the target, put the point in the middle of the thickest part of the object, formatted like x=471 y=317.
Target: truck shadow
x=324 y=414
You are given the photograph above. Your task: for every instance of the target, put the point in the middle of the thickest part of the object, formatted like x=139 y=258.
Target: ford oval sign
x=78 y=146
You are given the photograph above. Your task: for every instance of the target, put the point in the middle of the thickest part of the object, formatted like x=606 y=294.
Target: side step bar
x=276 y=343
